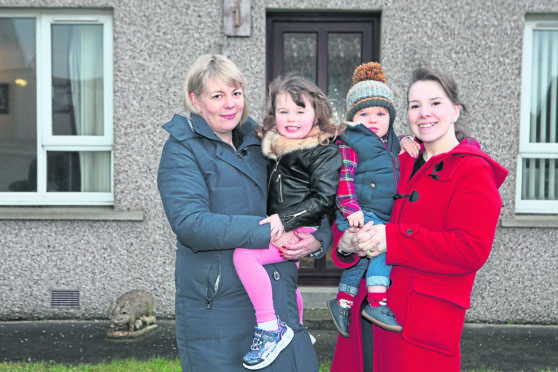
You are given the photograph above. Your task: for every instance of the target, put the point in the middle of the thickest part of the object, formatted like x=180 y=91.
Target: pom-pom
x=369 y=71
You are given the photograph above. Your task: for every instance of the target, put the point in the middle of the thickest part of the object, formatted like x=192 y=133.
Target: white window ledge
x=530 y=221
x=69 y=213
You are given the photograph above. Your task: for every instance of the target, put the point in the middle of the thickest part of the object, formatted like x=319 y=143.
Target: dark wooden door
x=325 y=48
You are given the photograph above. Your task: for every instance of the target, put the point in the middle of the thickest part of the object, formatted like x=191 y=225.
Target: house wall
x=478 y=42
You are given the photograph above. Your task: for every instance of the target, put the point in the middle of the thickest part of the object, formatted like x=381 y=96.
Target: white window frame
x=45 y=140
x=532 y=149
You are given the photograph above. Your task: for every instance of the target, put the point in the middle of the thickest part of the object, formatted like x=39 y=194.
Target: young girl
x=298 y=136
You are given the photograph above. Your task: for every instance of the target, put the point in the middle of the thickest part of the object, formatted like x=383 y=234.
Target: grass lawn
x=155 y=365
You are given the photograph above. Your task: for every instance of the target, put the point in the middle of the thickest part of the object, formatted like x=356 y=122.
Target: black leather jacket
x=303 y=181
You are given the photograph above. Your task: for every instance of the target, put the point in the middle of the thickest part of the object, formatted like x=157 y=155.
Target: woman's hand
x=369 y=241
x=373 y=239
x=295 y=245
x=348 y=242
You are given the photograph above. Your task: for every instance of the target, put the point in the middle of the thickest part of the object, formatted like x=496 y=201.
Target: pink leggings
x=249 y=267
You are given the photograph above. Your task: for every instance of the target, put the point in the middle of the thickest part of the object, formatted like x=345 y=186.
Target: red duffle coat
x=437 y=240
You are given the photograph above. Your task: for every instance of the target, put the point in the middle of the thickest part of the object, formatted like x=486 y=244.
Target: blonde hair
x=211 y=66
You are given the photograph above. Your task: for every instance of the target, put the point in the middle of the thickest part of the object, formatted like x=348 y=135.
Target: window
x=537 y=167
x=325 y=48
x=55 y=108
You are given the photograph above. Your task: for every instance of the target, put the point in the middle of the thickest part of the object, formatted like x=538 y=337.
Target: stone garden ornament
x=132 y=315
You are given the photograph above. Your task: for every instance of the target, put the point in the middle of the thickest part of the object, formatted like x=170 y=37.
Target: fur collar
x=275 y=145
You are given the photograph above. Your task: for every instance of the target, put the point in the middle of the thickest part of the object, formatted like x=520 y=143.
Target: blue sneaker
x=267 y=345
x=341 y=316
x=383 y=317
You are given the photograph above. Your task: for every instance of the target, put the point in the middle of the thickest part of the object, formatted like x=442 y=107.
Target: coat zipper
x=394 y=160
x=295 y=215
x=280 y=187
x=209 y=298
x=277 y=179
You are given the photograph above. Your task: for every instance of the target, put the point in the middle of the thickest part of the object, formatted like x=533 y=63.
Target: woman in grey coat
x=212 y=180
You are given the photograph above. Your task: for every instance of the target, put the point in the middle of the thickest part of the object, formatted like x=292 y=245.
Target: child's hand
x=276 y=225
x=356 y=219
x=409 y=146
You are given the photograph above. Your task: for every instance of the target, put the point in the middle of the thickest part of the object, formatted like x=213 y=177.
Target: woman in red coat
x=440 y=234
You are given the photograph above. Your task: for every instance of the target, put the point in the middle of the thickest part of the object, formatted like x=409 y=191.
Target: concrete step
x=317 y=297
x=318 y=319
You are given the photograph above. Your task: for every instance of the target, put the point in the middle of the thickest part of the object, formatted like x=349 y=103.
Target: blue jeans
x=377 y=272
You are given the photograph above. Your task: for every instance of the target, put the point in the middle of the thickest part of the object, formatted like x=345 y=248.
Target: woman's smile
x=229 y=116
x=426 y=125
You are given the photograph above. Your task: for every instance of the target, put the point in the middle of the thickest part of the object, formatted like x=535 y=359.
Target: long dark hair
x=449 y=86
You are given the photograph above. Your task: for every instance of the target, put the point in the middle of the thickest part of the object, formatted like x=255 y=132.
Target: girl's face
x=374 y=118
x=431 y=113
x=221 y=105
x=293 y=121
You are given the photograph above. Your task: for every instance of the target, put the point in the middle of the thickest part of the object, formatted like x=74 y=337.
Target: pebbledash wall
x=104 y=252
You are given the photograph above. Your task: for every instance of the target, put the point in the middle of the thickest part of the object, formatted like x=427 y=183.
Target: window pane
x=18 y=105
x=544 y=87
x=78 y=171
x=344 y=55
x=540 y=177
x=299 y=54
x=77 y=80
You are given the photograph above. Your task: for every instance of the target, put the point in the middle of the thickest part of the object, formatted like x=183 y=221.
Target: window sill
x=530 y=221
x=69 y=213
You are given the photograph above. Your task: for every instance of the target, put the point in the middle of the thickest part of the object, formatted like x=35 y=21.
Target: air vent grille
x=64 y=298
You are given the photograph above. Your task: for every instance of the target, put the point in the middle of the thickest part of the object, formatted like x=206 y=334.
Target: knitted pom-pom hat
x=369 y=89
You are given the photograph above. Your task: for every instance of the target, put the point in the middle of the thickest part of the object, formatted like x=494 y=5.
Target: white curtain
x=86 y=73
x=540 y=180
x=544 y=87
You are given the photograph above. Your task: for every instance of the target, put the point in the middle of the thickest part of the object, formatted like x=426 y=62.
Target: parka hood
x=183 y=128
x=470 y=146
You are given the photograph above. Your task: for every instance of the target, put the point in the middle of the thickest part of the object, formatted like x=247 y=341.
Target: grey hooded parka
x=214 y=196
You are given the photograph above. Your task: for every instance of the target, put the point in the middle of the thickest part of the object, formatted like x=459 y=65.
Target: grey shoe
x=341 y=316
x=383 y=317
x=267 y=345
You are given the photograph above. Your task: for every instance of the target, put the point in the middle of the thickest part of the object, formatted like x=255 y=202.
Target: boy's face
x=374 y=118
